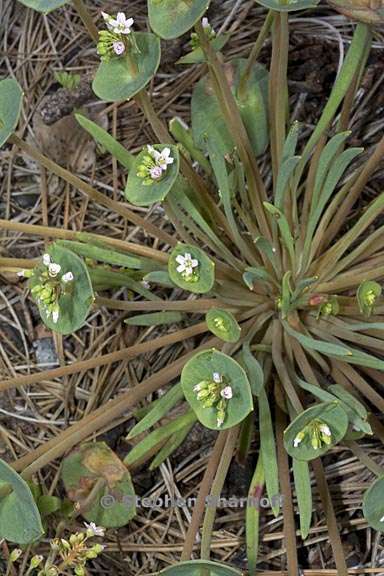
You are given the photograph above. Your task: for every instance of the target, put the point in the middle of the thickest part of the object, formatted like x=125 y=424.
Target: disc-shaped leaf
x=207 y=116
x=329 y=413
x=367 y=294
x=113 y=504
x=197 y=55
x=44 y=6
x=200 y=568
x=201 y=369
x=10 y=105
x=75 y=303
x=290 y=6
x=223 y=325
x=373 y=505
x=203 y=277
x=19 y=516
x=115 y=80
x=143 y=194
x=172 y=18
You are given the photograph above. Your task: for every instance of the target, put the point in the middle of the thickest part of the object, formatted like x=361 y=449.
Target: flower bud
x=368 y=11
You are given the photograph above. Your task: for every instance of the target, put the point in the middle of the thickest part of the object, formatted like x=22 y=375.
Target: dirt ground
x=32 y=48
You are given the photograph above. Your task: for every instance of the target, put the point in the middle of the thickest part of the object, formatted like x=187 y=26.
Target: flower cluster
x=48 y=284
x=316 y=432
x=188 y=267
x=154 y=165
x=208 y=30
x=115 y=41
x=214 y=393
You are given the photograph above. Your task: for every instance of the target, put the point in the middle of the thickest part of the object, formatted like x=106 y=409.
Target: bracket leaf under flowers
x=115 y=81
x=96 y=462
x=223 y=325
x=74 y=306
x=290 y=6
x=204 y=273
x=373 y=505
x=44 y=6
x=200 y=568
x=200 y=368
x=172 y=18
x=141 y=194
x=10 y=105
x=330 y=413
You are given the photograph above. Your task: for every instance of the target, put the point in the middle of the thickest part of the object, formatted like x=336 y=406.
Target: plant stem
x=217 y=486
x=252 y=58
x=87 y=19
x=91 y=192
x=252 y=517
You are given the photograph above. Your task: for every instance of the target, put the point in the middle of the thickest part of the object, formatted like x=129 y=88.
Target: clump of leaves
x=290 y=300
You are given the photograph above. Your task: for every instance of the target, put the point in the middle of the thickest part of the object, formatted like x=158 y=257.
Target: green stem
x=252 y=517
x=87 y=19
x=216 y=489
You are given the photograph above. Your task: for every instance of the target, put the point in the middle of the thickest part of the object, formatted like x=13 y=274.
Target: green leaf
x=253 y=273
x=330 y=413
x=19 y=516
x=285 y=172
x=200 y=369
x=223 y=325
x=203 y=277
x=159 y=277
x=115 y=81
x=373 y=505
x=155 y=319
x=290 y=143
x=197 y=56
x=75 y=304
x=106 y=255
x=252 y=516
x=113 y=506
x=284 y=228
x=200 y=568
x=141 y=194
x=290 y=6
x=102 y=137
x=158 y=436
x=268 y=452
x=303 y=490
x=318 y=345
x=44 y=6
x=160 y=408
x=367 y=290
x=48 y=505
x=207 y=118
x=254 y=370
x=170 y=446
x=10 y=107
x=326 y=158
x=172 y=18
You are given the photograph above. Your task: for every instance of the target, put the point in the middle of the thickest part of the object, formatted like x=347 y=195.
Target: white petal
x=194 y=263
x=21 y=273
x=180 y=259
x=205 y=22
x=46 y=259
x=181 y=268
x=187 y=256
x=227 y=393
x=216 y=377
x=55 y=316
x=120 y=18
x=68 y=277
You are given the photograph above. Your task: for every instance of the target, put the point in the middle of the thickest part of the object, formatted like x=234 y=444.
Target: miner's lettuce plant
x=285 y=299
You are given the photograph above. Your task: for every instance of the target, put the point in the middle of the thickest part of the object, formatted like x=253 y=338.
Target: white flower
x=205 y=22
x=46 y=259
x=220 y=420
x=119 y=25
x=382 y=519
x=227 y=393
x=21 y=273
x=118 y=47
x=54 y=269
x=67 y=277
x=297 y=441
x=324 y=428
x=96 y=530
x=197 y=388
x=155 y=172
x=165 y=158
x=216 y=377
x=186 y=264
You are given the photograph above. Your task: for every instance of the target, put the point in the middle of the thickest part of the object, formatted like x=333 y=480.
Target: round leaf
x=44 y=6
x=290 y=6
x=373 y=505
x=223 y=325
x=114 y=504
x=141 y=194
x=19 y=516
x=10 y=106
x=201 y=368
x=75 y=305
x=204 y=272
x=172 y=18
x=200 y=568
x=331 y=414
x=115 y=81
